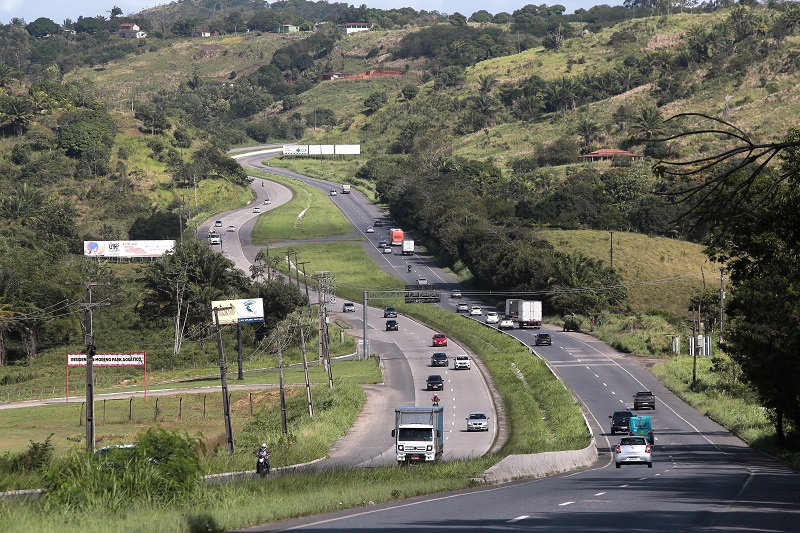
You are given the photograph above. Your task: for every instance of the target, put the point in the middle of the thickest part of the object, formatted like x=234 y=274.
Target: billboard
x=295 y=149
x=321 y=149
x=108 y=359
x=127 y=248
x=235 y=311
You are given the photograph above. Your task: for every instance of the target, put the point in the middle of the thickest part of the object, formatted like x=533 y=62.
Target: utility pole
x=90 y=353
x=284 y=429
x=305 y=368
x=366 y=342
x=226 y=404
x=240 y=377
x=721 y=303
x=305 y=282
x=611 y=250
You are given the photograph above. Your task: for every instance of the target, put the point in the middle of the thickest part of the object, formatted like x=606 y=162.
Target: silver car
x=492 y=317
x=477 y=422
x=633 y=450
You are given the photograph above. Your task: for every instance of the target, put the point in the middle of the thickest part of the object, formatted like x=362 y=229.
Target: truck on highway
x=528 y=313
x=396 y=236
x=408 y=247
x=418 y=433
x=641 y=426
x=345 y=189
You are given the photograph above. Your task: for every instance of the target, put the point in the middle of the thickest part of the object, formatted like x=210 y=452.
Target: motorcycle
x=435 y=401
x=409 y=268
x=262 y=464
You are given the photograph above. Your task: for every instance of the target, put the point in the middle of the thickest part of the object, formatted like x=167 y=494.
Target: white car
x=333 y=192
x=256 y=209
x=633 y=450
x=462 y=361
x=267 y=202
x=477 y=422
x=231 y=228
x=456 y=294
x=475 y=310
x=370 y=229
x=492 y=317
x=387 y=250
x=506 y=323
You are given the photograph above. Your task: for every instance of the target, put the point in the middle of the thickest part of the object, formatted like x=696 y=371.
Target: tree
x=457 y=19
x=115 y=12
x=486 y=82
x=587 y=129
x=18 y=112
x=584 y=286
x=42 y=27
x=375 y=101
x=647 y=123
x=409 y=92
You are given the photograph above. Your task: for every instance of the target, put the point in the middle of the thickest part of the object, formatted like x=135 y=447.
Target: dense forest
x=71 y=162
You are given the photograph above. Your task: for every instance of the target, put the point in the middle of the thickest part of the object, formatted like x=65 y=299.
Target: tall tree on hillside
x=756 y=233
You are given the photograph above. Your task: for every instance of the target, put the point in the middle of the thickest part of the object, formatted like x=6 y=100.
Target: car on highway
x=506 y=323
x=492 y=317
x=644 y=400
x=456 y=294
x=434 y=382
x=333 y=192
x=462 y=308
x=370 y=229
x=620 y=421
x=390 y=312
x=462 y=362
x=348 y=307
x=256 y=209
x=218 y=224
x=543 y=339
x=422 y=281
x=475 y=310
x=267 y=201
x=440 y=359
x=387 y=250
x=378 y=223
x=633 y=450
x=439 y=339
x=391 y=325
x=382 y=243
x=477 y=422
x=231 y=228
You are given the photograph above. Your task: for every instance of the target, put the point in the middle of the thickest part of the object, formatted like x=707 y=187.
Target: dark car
x=543 y=339
x=644 y=400
x=621 y=421
x=571 y=324
x=440 y=359
x=390 y=312
x=378 y=223
x=391 y=325
x=435 y=382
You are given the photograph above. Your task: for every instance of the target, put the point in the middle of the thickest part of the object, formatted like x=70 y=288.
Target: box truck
x=530 y=314
x=396 y=236
x=418 y=433
x=408 y=247
x=345 y=189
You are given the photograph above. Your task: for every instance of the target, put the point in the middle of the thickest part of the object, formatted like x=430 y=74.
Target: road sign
x=422 y=294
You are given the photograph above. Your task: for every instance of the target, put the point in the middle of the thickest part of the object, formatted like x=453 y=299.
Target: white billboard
x=348 y=149
x=127 y=248
x=234 y=311
x=108 y=359
x=295 y=149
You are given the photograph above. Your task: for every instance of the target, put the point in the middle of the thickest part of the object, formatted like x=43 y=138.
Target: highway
x=703 y=478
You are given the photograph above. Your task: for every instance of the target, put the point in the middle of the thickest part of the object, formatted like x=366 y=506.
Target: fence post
x=130 y=409
x=204 y=405
x=80 y=422
x=180 y=408
x=251 y=404
x=104 y=411
x=155 y=417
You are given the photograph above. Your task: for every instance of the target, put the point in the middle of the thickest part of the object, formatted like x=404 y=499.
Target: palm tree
x=486 y=83
x=648 y=122
x=628 y=77
x=19 y=113
x=587 y=129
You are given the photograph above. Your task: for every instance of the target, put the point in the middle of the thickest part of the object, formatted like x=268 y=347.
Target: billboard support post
x=226 y=405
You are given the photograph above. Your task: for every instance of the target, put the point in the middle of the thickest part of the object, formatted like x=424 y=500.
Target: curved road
x=703 y=478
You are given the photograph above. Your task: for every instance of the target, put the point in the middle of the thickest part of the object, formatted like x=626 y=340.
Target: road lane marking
x=599 y=493
x=565 y=503
x=517 y=519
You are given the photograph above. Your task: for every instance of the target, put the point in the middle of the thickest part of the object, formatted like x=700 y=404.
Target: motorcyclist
x=409 y=268
x=435 y=400
x=265 y=453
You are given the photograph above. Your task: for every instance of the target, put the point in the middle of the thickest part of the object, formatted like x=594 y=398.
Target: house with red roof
x=607 y=154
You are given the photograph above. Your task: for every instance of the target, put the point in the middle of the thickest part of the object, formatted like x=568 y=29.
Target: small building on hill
x=286 y=28
x=128 y=30
x=606 y=154
x=354 y=27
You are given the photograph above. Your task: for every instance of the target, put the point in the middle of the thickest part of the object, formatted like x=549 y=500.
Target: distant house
x=129 y=30
x=610 y=153
x=354 y=27
x=201 y=33
x=286 y=28
x=331 y=75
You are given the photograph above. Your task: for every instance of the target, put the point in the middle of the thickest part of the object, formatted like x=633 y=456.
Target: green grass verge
x=309 y=215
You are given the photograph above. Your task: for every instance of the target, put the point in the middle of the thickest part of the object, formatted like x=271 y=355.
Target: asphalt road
x=703 y=478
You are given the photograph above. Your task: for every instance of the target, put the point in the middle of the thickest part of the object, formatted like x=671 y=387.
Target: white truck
x=528 y=313
x=345 y=189
x=408 y=247
x=418 y=433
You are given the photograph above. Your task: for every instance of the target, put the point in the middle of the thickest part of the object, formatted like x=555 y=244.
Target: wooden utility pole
x=90 y=353
x=305 y=368
x=226 y=403
x=284 y=428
